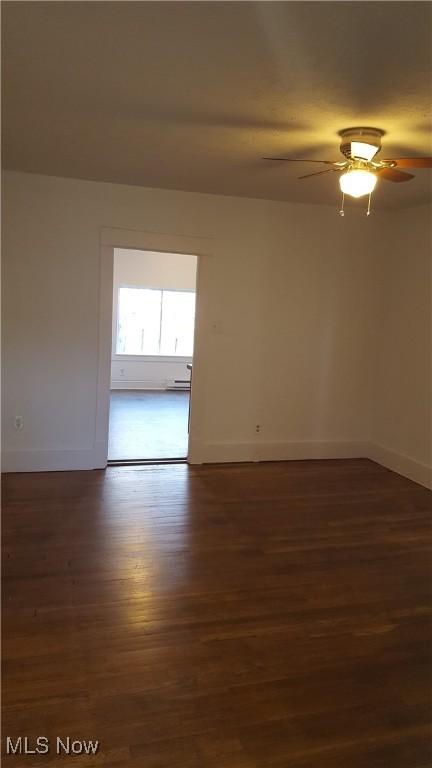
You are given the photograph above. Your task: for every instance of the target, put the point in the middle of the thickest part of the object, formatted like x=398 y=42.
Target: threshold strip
x=140 y=462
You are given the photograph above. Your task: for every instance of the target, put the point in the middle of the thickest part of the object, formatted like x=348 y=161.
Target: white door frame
x=202 y=247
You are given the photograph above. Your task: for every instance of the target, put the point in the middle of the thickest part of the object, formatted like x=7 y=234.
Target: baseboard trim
x=138 y=384
x=282 y=451
x=211 y=453
x=403 y=465
x=226 y=453
x=47 y=461
x=312 y=449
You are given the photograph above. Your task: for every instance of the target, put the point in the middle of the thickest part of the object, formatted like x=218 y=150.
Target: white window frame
x=149 y=358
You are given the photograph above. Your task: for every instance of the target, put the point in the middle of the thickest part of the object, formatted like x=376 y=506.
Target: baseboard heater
x=178 y=384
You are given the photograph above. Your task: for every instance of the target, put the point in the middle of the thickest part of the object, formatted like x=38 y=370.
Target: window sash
x=162 y=331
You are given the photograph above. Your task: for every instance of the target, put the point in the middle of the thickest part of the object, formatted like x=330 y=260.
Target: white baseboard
x=208 y=453
x=225 y=453
x=140 y=384
x=288 y=451
x=48 y=461
x=403 y=465
x=282 y=451
x=52 y=461
x=100 y=455
x=312 y=449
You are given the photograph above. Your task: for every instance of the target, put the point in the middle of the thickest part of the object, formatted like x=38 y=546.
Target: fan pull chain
x=369 y=202
x=342 y=212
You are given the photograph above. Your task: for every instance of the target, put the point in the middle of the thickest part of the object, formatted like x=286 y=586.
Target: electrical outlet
x=19 y=423
x=258 y=428
x=121 y=371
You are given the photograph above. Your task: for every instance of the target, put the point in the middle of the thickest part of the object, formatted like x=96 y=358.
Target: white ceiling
x=191 y=95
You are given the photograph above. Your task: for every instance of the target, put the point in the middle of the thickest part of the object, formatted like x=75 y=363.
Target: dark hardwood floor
x=246 y=616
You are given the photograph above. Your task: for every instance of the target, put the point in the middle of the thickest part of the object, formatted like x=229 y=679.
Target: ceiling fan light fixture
x=360 y=168
x=357 y=182
x=360 y=143
x=360 y=150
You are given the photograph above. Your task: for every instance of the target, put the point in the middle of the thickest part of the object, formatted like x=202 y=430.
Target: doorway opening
x=153 y=326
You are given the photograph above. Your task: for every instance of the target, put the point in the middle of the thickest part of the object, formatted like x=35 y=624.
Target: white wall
x=149 y=269
x=401 y=407
x=288 y=319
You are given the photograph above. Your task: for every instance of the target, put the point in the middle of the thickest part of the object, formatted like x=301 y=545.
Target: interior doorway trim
x=202 y=247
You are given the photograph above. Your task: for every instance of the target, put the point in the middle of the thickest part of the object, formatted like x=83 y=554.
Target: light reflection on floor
x=145 y=545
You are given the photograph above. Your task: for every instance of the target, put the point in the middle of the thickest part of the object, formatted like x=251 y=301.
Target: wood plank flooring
x=234 y=616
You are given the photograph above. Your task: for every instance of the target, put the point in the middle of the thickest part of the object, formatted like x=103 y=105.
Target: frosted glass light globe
x=357 y=182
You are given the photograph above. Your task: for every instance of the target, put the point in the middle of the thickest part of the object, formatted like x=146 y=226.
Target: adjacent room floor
x=233 y=616
x=148 y=425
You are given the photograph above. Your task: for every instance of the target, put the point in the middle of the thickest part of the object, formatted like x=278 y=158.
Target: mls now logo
x=41 y=746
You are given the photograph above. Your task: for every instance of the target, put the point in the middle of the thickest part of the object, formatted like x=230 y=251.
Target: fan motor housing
x=361 y=135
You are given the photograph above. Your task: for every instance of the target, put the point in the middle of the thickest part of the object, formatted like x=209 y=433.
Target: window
x=155 y=322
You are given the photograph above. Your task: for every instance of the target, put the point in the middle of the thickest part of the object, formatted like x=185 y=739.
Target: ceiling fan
x=360 y=169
